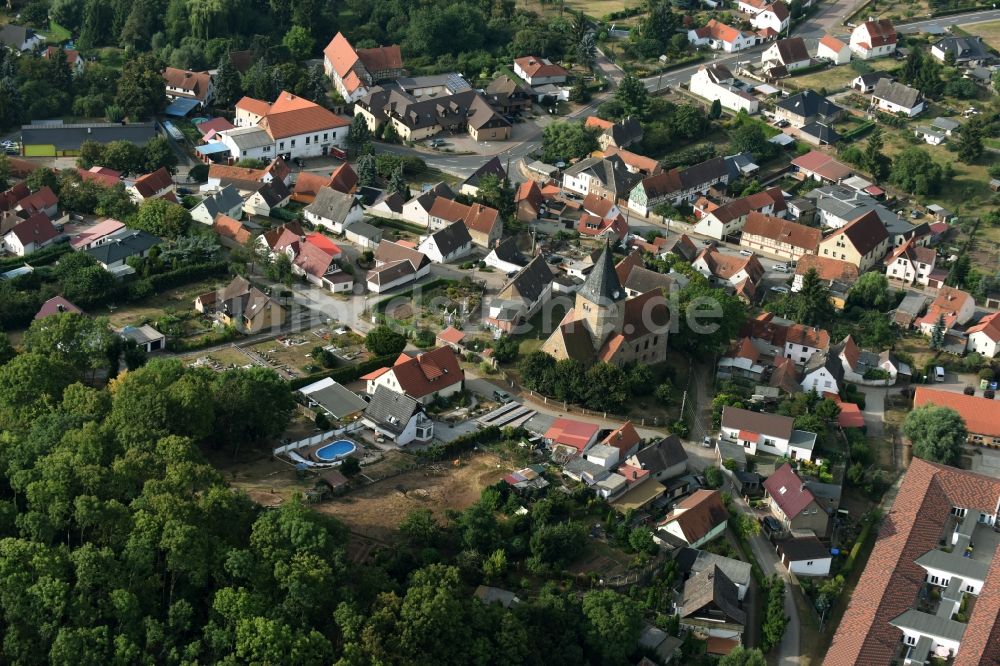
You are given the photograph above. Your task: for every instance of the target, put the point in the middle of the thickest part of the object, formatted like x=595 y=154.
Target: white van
x=938 y=373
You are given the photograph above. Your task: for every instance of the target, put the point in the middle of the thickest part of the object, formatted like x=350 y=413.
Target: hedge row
x=858 y=131
x=187 y=274
x=683 y=62
x=217 y=337
x=346 y=374
x=46 y=255
x=858 y=545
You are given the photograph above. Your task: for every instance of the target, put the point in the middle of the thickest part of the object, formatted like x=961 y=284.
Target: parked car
x=781 y=289
x=746 y=253
x=299 y=161
x=502 y=397
x=707 y=442
x=781 y=268
x=701 y=480
x=771 y=525
x=707 y=241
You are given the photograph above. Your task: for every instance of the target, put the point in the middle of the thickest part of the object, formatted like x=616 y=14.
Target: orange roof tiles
x=624 y=438
x=981 y=415
x=828 y=269
x=947 y=304
x=428 y=372
x=231 y=228
x=989 y=326
x=291 y=115
x=152 y=183
x=344 y=179
x=568 y=432
x=782 y=231
x=697 y=514
x=254 y=106
x=451 y=335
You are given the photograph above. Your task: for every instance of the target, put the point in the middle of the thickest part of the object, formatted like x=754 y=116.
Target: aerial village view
x=545 y=332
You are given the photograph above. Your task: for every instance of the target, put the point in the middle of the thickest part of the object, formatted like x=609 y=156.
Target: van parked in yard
x=938 y=373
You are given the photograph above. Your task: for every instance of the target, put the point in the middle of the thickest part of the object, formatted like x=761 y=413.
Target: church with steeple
x=605 y=325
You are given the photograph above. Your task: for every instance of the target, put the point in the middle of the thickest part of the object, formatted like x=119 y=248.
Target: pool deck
x=310 y=452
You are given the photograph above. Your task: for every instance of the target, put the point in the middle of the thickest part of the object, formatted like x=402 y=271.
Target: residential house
x=911 y=264
x=677 y=185
x=113 y=254
x=837 y=206
x=969 y=51
x=639 y=280
x=30 y=235
x=984 y=337
x=451 y=337
x=355 y=71
x=42 y=201
x=742 y=361
x=613 y=228
x=267 y=198
x=819 y=134
x=395 y=265
x=768 y=433
x=56 y=305
x=146 y=337
x=333 y=210
x=716 y=36
x=184 y=84
x=508 y=96
x=752 y=7
x=505 y=257
x=789 y=53
x=820 y=166
x=807 y=107
x=522 y=296
x=539 y=71
x=398 y=417
x=805 y=556
x=19 y=38
x=575 y=435
x=482 y=222
x=244 y=307
x=634 y=162
x=662 y=461
x=100 y=175
x=625 y=439
x=231 y=232
x=952 y=306
x=417 y=210
x=800 y=342
x=73 y=58
x=529 y=201
x=156 y=185
x=55 y=139
x=415 y=119
x=740 y=272
x=865 y=83
x=608 y=326
x=314 y=261
x=493 y=167
x=981 y=415
x=874 y=39
x=336 y=400
x=832 y=49
x=292 y=126
x=729 y=218
x=773 y=19
x=691 y=561
x=388 y=205
x=716 y=82
x=620 y=134
x=608 y=177
x=710 y=607
x=96 y=234
x=780 y=238
x=425 y=377
x=863 y=242
x=432 y=85
x=824 y=372
x=447 y=244
x=896 y=98
x=858 y=362
x=793 y=503
x=226 y=201
x=695 y=520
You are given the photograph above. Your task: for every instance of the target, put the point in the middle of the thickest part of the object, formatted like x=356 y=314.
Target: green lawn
x=56 y=34
x=989 y=31
x=837 y=78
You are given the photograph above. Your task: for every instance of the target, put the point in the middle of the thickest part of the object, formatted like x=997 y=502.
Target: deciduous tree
x=937 y=433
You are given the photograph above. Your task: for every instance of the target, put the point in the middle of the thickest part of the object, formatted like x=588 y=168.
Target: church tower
x=600 y=302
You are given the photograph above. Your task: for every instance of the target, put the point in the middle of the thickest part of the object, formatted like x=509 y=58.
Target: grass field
x=839 y=78
x=990 y=32
x=594 y=8
x=56 y=34
x=178 y=299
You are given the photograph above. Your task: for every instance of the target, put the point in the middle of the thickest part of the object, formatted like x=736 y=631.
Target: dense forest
x=121 y=544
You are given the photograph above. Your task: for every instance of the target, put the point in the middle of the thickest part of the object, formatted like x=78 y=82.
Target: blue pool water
x=336 y=450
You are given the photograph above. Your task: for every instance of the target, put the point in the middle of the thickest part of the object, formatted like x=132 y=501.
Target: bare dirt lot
x=377 y=509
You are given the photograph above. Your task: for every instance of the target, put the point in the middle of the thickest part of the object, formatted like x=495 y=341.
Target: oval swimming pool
x=336 y=450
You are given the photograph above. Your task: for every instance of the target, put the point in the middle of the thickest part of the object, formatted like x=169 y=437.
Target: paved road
x=874 y=411
x=945 y=21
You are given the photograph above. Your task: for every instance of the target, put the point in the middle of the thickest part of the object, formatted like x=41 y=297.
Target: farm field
x=594 y=8
x=835 y=79
x=989 y=31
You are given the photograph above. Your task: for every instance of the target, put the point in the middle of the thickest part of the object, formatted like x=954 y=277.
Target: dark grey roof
x=872 y=78
x=15 y=36
x=693 y=561
x=493 y=167
x=507 y=251
x=808 y=548
x=829 y=360
x=331 y=204
x=427 y=197
x=222 y=201
x=369 y=195
x=451 y=238
x=610 y=171
x=663 y=454
x=712 y=586
x=338 y=400
x=125 y=245
x=530 y=282
x=736 y=163
x=274 y=192
x=602 y=285
x=625 y=132
x=808 y=103
x=642 y=280
x=70 y=137
x=964 y=48
x=824 y=133
x=390 y=410
x=897 y=93
x=365 y=230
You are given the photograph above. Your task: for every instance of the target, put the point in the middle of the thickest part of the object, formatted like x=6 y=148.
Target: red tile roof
x=340 y=54
x=254 y=106
x=344 y=179
x=307 y=186
x=533 y=67
x=597 y=123
x=102 y=175
x=624 y=438
x=788 y=491
x=291 y=115
x=196 y=82
x=428 y=372
x=152 y=184
x=988 y=326
x=324 y=243
x=697 y=514
x=312 y=259
x=891 y=580
x=451 y=335
x=56 y=305
x=481 y=218
x=381 y=58
x=231 y=228
x=719 y=31
x=828 y=269
x=981 y=415
x=96 y=232
x=831 y=42
x=850 y=416
x=215 y=125
x=881 y=32
x=946 y=304
x=782 y=231
x=39 y=201
x=36 y=229
x=592 y=225
x=823 y=165
x=571 y=433
x=809 y=336
x=10 y=197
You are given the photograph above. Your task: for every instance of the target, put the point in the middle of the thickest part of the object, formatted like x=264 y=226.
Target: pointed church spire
x=602 y=285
